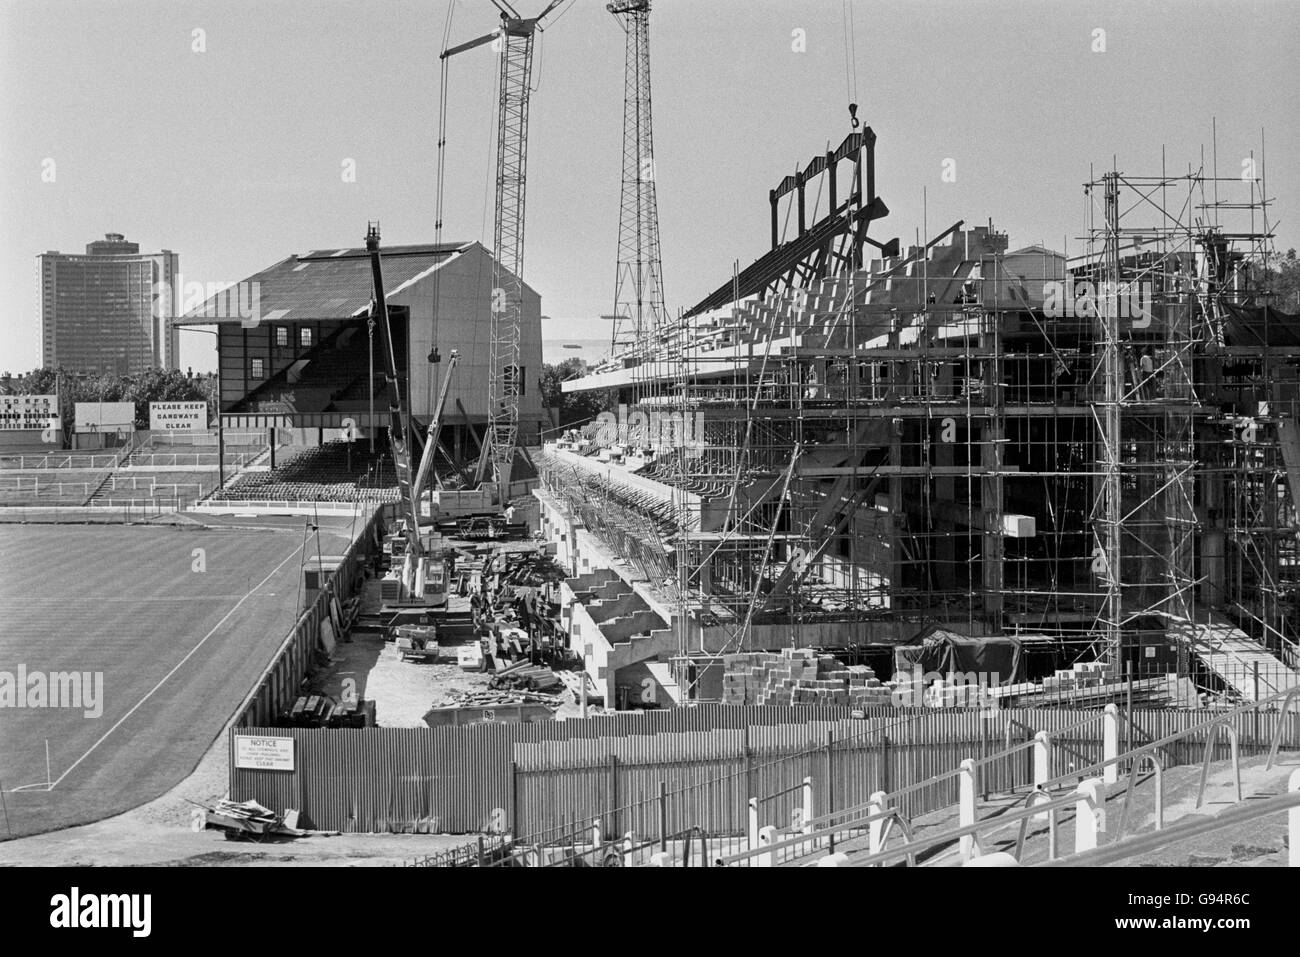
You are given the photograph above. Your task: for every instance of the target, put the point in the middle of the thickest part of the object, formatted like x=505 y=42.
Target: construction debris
x=523 y=676
x=248 y=820
x=322 y=711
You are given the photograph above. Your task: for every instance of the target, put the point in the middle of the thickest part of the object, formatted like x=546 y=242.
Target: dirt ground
x=403 y=691
x=159 y=834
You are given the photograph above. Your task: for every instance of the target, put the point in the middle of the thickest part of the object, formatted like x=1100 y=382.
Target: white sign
x=28 y=412
x=178 y=416
x=104 y=416
x=263 y=754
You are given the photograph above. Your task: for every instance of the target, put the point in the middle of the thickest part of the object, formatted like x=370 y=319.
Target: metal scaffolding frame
x=858 y=451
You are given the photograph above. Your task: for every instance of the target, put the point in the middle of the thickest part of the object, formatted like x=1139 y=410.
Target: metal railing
x=58 y=460
x=1155 y=840
x=852 y=821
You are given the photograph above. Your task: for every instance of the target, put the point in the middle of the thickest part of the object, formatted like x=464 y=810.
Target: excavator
x=417 y=580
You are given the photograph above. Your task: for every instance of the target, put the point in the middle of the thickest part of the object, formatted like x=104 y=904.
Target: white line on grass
x=66 y=599
x=234 y=608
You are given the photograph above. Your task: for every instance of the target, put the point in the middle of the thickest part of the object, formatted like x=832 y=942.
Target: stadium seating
x=326 y=473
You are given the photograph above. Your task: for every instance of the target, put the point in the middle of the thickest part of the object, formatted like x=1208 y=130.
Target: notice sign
x=178 y=416
x=263 y=754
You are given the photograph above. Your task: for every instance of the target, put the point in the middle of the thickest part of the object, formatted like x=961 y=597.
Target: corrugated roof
x=323 y=284
x=1036 y=250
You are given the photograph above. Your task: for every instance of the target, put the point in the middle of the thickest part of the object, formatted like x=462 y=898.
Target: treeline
x=575 y=408
x=156 y=385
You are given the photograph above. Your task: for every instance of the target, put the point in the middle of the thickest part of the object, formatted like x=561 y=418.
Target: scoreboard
x=19 y=412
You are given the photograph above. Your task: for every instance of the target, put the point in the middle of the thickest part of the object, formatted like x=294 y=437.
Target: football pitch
x=124 y=650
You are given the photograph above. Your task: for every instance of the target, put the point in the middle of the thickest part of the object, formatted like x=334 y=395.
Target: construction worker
x=1146 y=364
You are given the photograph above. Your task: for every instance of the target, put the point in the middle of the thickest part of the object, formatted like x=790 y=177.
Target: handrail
x=1179 y=832
x=1168 y=739
x=1159 y=773
x=854 y=825
x=1205 y=761
x=1147 y=750
x=1288 y=646
x=973 y=830
x=781 y=793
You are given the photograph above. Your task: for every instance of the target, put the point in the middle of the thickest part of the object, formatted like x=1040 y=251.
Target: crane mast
x=514 y=44
x=398 y=417
x=638 y=288
x=399 y=427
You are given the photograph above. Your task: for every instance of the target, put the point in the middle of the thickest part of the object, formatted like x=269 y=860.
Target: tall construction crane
x=638 y=288
x=514 y=42
x=412 y=576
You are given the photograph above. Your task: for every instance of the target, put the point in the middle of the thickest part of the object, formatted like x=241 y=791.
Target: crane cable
x=442 y=124
x=441 y=176
x=850 y=60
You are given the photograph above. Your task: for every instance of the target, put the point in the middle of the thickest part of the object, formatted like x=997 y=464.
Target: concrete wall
x=624 y=603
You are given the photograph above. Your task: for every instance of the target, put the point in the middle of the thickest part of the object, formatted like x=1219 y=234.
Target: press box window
x=258 y=370
x=281 y=336
x=304 y=337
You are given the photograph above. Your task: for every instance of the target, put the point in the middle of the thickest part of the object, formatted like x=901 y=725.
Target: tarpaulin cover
x=945 y=652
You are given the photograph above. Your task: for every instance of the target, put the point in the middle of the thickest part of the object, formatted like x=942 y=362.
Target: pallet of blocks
x=799 y=676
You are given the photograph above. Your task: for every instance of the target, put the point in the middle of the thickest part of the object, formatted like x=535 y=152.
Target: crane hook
x=853 y=115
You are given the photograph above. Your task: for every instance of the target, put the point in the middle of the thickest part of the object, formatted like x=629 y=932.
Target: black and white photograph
x=743 y=434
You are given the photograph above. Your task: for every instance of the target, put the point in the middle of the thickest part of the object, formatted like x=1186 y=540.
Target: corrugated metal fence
x=696 y=767
x=283 y=678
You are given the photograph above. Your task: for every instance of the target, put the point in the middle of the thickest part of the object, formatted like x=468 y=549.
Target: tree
x=1286 y=283
x=576 y=408
x=156 y=385
x=1282 y=279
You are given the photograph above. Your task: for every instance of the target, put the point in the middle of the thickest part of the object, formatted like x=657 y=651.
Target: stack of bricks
x=799 y=676
x=1083 y=675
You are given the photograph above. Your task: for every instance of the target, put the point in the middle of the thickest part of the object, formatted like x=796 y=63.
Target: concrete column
x=1037 y=797
x=753 y=823
x=809 y=811
x=766 y=838
x=1042 y=758
x=966 y=806
x=1110 y=742
x=876 y=829
x=1089 y=815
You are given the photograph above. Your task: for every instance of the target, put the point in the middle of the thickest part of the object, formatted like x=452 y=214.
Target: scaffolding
x=837 y=451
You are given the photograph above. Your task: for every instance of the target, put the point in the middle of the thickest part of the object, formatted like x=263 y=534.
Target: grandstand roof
x=322 y=284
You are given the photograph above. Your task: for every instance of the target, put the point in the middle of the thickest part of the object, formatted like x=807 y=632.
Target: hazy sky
x=233 y=156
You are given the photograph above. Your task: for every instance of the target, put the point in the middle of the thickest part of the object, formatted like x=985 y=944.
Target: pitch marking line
x=187 y=657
